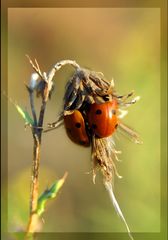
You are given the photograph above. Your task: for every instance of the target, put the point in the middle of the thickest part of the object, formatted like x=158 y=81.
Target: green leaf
x=25 y=115
x=49 y=194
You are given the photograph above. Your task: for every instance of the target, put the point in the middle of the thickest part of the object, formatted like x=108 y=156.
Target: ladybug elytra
x=102 y=118
x=75 y=128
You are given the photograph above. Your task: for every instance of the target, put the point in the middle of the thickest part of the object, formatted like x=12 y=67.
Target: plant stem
x=31 y=228
x=37 y=134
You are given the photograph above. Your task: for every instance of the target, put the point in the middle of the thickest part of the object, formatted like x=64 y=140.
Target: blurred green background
x=123 y=44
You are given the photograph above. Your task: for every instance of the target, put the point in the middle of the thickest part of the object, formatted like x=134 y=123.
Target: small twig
x=62 y=63
x=35 y=67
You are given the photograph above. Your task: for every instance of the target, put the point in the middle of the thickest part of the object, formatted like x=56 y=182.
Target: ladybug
x=102 y=118
x=75 y=128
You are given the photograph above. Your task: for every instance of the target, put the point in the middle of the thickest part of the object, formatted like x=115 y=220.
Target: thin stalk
x=37 y=134
x=32 y=224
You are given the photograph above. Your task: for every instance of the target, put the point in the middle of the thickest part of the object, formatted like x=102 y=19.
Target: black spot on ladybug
x=98 y=111
x=94 y=126
x=114 y=112
x=116 y=125
x=78 y=125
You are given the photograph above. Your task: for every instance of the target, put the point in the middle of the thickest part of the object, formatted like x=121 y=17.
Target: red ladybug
x=102 y=118
x=75 y=128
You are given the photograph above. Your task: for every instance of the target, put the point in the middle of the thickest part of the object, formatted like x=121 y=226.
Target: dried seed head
x=85 y=86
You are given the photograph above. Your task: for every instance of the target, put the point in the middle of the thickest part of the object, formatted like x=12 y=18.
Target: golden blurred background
x=123 y=44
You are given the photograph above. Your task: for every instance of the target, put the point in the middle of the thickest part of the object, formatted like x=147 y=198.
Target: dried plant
x=84 y=90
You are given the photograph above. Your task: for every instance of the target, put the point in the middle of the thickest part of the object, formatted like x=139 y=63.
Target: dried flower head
x=85 y=87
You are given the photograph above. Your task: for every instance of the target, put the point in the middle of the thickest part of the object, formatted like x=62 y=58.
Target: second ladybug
x=75 y=128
